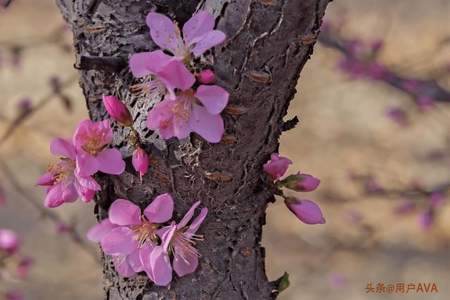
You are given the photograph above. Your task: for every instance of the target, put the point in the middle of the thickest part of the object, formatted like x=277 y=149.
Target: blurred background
x=374 y=112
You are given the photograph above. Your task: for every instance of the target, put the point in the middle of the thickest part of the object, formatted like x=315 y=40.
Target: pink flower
x=398 y=115
x=9 y=241
x=63 y=183
x=276 y=166
x=168 y=73
x=177 y=239
x=306 y=211
x=117 y=110
x=426 y=219
x=91 y=140
x=206 y=76
x=184 y=115
x=127 y=231
x=301 y=182
x=198 y=34
x=140 y=161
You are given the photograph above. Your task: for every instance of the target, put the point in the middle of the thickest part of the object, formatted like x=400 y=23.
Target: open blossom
x=64 y=184
x=127 y=231
x=184 y=115
x=140 y=161
x=117 y=110
x=179 y=240
x=169 y=73
x=277 y=166
x=9 y=241
x=301 y=182
x=91 y=140
x=198 y=34
x=306 y=211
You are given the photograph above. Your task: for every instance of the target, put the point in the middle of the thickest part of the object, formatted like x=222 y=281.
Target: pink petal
x=119 y=241
x=181 y=127
x=188 y=216
x=145 y=63
x=58 y=194
x=62 y=147
x=160 y=266
x=176 y=75
x=198 y=25
x=100 y=230
x=69 y=192
x=184 y=262
x=213 y=97
x=124 y=212
x=207 y=41
x=86 y=164
x=197 y=222
x=110 y=161
x=88 y=183
x=134 y=261
x=46 y=179
x=164 y=32
x=160 y=210
x=160 y=118
x=122 y=266
x=210 y=127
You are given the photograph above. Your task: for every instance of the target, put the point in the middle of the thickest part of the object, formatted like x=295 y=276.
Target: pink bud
x=206 y=76
x=306 y=211
x=398 y=115
x=301 y=182
x=9 y=241
x=276 y=166
x=140 y=161
x=117 y=110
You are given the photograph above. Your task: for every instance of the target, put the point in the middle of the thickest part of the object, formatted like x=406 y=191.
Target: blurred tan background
x=343 y=128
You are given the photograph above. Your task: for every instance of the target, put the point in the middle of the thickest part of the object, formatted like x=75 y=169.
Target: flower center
x=93 y=146
x=62 y=170
x=185 y=244
x=146 y=232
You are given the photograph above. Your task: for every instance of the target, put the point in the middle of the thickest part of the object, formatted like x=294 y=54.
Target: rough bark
x=268 y=43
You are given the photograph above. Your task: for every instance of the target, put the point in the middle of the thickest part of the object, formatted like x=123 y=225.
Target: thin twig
x=56 y=219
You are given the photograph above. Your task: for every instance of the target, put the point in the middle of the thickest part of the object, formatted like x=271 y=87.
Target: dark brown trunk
x=268 y=43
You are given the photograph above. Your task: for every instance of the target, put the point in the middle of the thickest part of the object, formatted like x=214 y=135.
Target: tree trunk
x=268 y=42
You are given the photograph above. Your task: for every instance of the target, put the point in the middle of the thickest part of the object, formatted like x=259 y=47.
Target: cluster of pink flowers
x=306 y=210
x=149 y=240
x=12 y=263
x=191 y=102
x=79 y=159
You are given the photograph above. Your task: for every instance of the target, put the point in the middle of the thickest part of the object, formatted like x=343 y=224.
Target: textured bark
x=268 y=43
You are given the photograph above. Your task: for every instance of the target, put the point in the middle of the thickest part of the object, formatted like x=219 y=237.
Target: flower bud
x=276 y=166
x=301 y=182
x=306 y=211
x=9 y=241
x=426 y=219
x=140 y=161
x=117 y=110
x=206 y=76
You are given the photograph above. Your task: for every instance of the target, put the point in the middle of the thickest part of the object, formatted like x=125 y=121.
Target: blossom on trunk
x=306 y=211
x=168 y=73
x=140 y=161
x=64 y=184
x=127 y=231
x=185 y=114
x=206 y=76
x=178 y=240
x=198 y=34
x=91 y=140
x=117 y=110
x=276 y=166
